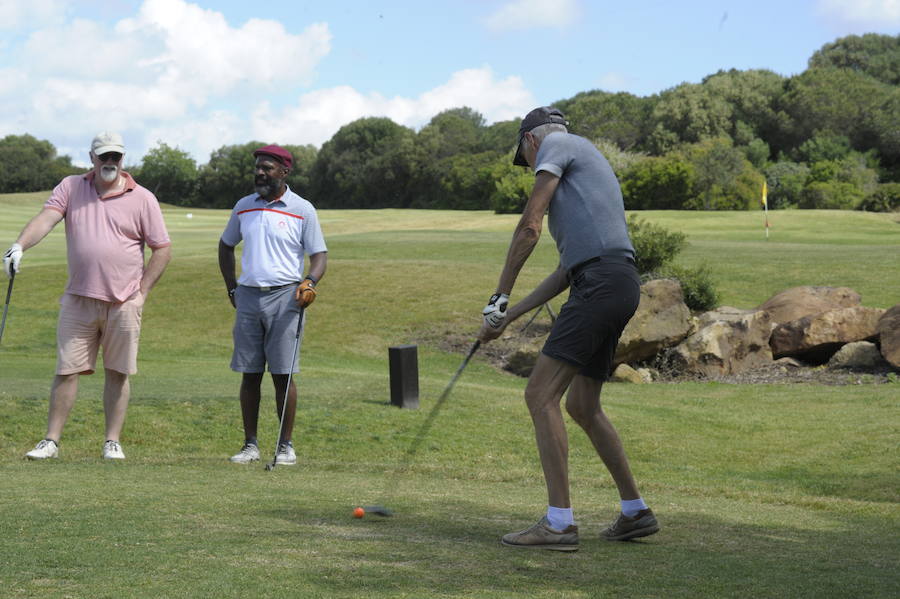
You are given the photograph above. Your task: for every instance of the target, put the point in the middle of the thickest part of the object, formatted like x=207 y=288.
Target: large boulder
x=888 y=330
x=662 y=320
x=727 y=341
x=860 y=355
x=817 y=337
x=797 y=302
x=522 y=359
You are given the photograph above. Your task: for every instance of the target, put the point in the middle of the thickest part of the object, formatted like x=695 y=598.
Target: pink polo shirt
x=105 y=236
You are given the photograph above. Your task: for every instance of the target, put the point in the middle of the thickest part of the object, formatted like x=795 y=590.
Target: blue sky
x=201 y=74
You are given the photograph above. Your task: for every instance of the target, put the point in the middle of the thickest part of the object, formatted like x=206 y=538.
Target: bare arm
x=317 y=265
x=38 y=227
x=553 y=285
x=159 y=259
x=528 y=231
x=226 y=267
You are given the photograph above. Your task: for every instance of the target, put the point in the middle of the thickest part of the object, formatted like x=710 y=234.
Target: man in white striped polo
x=278 y=229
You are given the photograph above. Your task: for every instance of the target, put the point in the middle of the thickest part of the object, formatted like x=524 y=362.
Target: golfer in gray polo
x=278 y=229
x=575 y=183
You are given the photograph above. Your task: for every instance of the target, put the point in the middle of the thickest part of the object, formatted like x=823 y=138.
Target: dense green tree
x=620 y=117
x=835 y=195
x=499 y=137
x=367 y=164
x=872 y=54
x=620 y=160
x=717 y=166
x=512 y=186
x=171 y=174
x=31 y=164
x=786 y=181
x=228 y=176
x=752 y=96
x=693 y=112
x=658 y=183
x=885 y=198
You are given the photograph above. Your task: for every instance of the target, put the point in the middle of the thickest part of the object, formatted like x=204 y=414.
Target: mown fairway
x=762 y=491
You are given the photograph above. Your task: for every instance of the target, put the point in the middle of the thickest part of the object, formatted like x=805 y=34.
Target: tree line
x=826 y=138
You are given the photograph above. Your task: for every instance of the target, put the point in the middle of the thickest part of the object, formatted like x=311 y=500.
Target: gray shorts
x=265 y=330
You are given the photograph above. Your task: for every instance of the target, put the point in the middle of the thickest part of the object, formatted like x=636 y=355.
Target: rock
x=726 y=344
x=521 y=360
x=817 y=337
x=797 y=302
x=625 y=374
x=662 y=320
x=888 y=330
x=861 y=355
x=648 y=374
x=788 y=363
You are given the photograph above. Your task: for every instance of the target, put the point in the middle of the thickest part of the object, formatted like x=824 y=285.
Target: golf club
x=287 y=390
x=380 y=510
x=12 y=277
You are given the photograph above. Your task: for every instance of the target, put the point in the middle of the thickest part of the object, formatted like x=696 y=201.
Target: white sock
x=560 y=517
x=630 y=507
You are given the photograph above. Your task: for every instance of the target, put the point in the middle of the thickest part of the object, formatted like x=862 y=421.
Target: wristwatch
x=231 y=293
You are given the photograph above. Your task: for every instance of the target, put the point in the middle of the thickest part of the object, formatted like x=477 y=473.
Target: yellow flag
x=765 y=193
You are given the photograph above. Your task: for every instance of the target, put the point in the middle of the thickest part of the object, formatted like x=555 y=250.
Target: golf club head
x=270 y=466
x=378 y=510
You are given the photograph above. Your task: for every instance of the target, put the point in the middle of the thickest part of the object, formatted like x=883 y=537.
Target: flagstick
x=766 y=208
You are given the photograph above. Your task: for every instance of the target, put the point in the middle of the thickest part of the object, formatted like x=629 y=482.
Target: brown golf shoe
x=541 y=536
x=624 y=528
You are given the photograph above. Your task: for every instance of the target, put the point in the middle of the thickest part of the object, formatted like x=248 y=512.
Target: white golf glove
x=11 y=259
x=495 y=312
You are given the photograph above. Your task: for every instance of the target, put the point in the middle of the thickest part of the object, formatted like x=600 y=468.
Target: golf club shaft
x=287 y=388
x=437 y=406
x=12 y=278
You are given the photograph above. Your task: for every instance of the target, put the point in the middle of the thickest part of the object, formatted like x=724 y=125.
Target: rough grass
x=763 y=491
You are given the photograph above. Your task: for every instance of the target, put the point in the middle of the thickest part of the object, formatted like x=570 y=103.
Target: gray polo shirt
x=587 y=215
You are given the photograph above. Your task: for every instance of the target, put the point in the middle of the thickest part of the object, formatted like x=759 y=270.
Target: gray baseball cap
x=536 y=118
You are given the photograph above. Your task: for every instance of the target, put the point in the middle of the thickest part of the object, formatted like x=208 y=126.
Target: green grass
x=763 y=491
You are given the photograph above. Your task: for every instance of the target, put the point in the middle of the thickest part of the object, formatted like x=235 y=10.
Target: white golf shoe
x=248 y=453
x=286 y=455
x=46 y=448
x=113 y=451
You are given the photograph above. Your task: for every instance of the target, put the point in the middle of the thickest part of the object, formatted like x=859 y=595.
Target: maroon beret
x=276 y=152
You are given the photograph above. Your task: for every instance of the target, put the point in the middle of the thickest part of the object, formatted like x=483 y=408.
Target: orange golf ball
x=359 y=512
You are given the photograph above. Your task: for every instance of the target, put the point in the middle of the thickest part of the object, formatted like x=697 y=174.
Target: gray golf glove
x=11 y=259
x=495 y=312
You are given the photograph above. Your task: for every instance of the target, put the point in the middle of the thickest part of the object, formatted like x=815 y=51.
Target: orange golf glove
x=306 y=293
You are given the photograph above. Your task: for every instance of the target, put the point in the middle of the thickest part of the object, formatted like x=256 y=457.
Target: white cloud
x=533 y=14
x=319 y=114
x=862 y=13
x=16 y=14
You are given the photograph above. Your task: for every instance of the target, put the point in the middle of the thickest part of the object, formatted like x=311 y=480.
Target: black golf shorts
x=603 y=296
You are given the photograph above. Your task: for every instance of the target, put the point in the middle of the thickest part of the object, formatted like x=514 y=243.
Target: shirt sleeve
x=553 y=156
x=59 y=197
x=231 y=236
x=313 y=240
x=156 y=235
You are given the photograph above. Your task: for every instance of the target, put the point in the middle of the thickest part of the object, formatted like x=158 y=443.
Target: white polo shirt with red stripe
x=276 y=237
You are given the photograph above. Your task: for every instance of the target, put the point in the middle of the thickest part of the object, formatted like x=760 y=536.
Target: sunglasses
x=107 y=156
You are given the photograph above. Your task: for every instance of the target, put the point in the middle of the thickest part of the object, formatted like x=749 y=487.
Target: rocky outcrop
x=888 y=330
x=817 y=337
x=662 y=320
x=797 y=302
x=859 y=355
x=625 y=374
x=727 y=341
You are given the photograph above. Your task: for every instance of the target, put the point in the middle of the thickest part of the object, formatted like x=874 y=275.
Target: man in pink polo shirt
x=109 y=219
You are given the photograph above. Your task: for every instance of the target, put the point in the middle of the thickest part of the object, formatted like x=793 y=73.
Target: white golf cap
x=107 y=142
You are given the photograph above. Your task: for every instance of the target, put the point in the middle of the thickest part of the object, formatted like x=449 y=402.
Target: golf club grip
x=12 y=278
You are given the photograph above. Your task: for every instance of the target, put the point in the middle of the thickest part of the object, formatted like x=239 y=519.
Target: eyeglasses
x=109 y=156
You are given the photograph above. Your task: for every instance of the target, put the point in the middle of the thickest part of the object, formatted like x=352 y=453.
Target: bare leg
x=62 y=398
x=280 y=381
x=546 y=385
x=250 y=396
x=116 y=393
x=583 y=404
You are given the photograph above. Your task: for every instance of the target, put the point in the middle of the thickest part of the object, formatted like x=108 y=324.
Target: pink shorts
x=86 y=323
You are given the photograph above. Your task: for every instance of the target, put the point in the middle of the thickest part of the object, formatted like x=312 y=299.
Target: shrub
x=886 y=198
x=831 y=195
x=700 y=293
x=654 y=246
